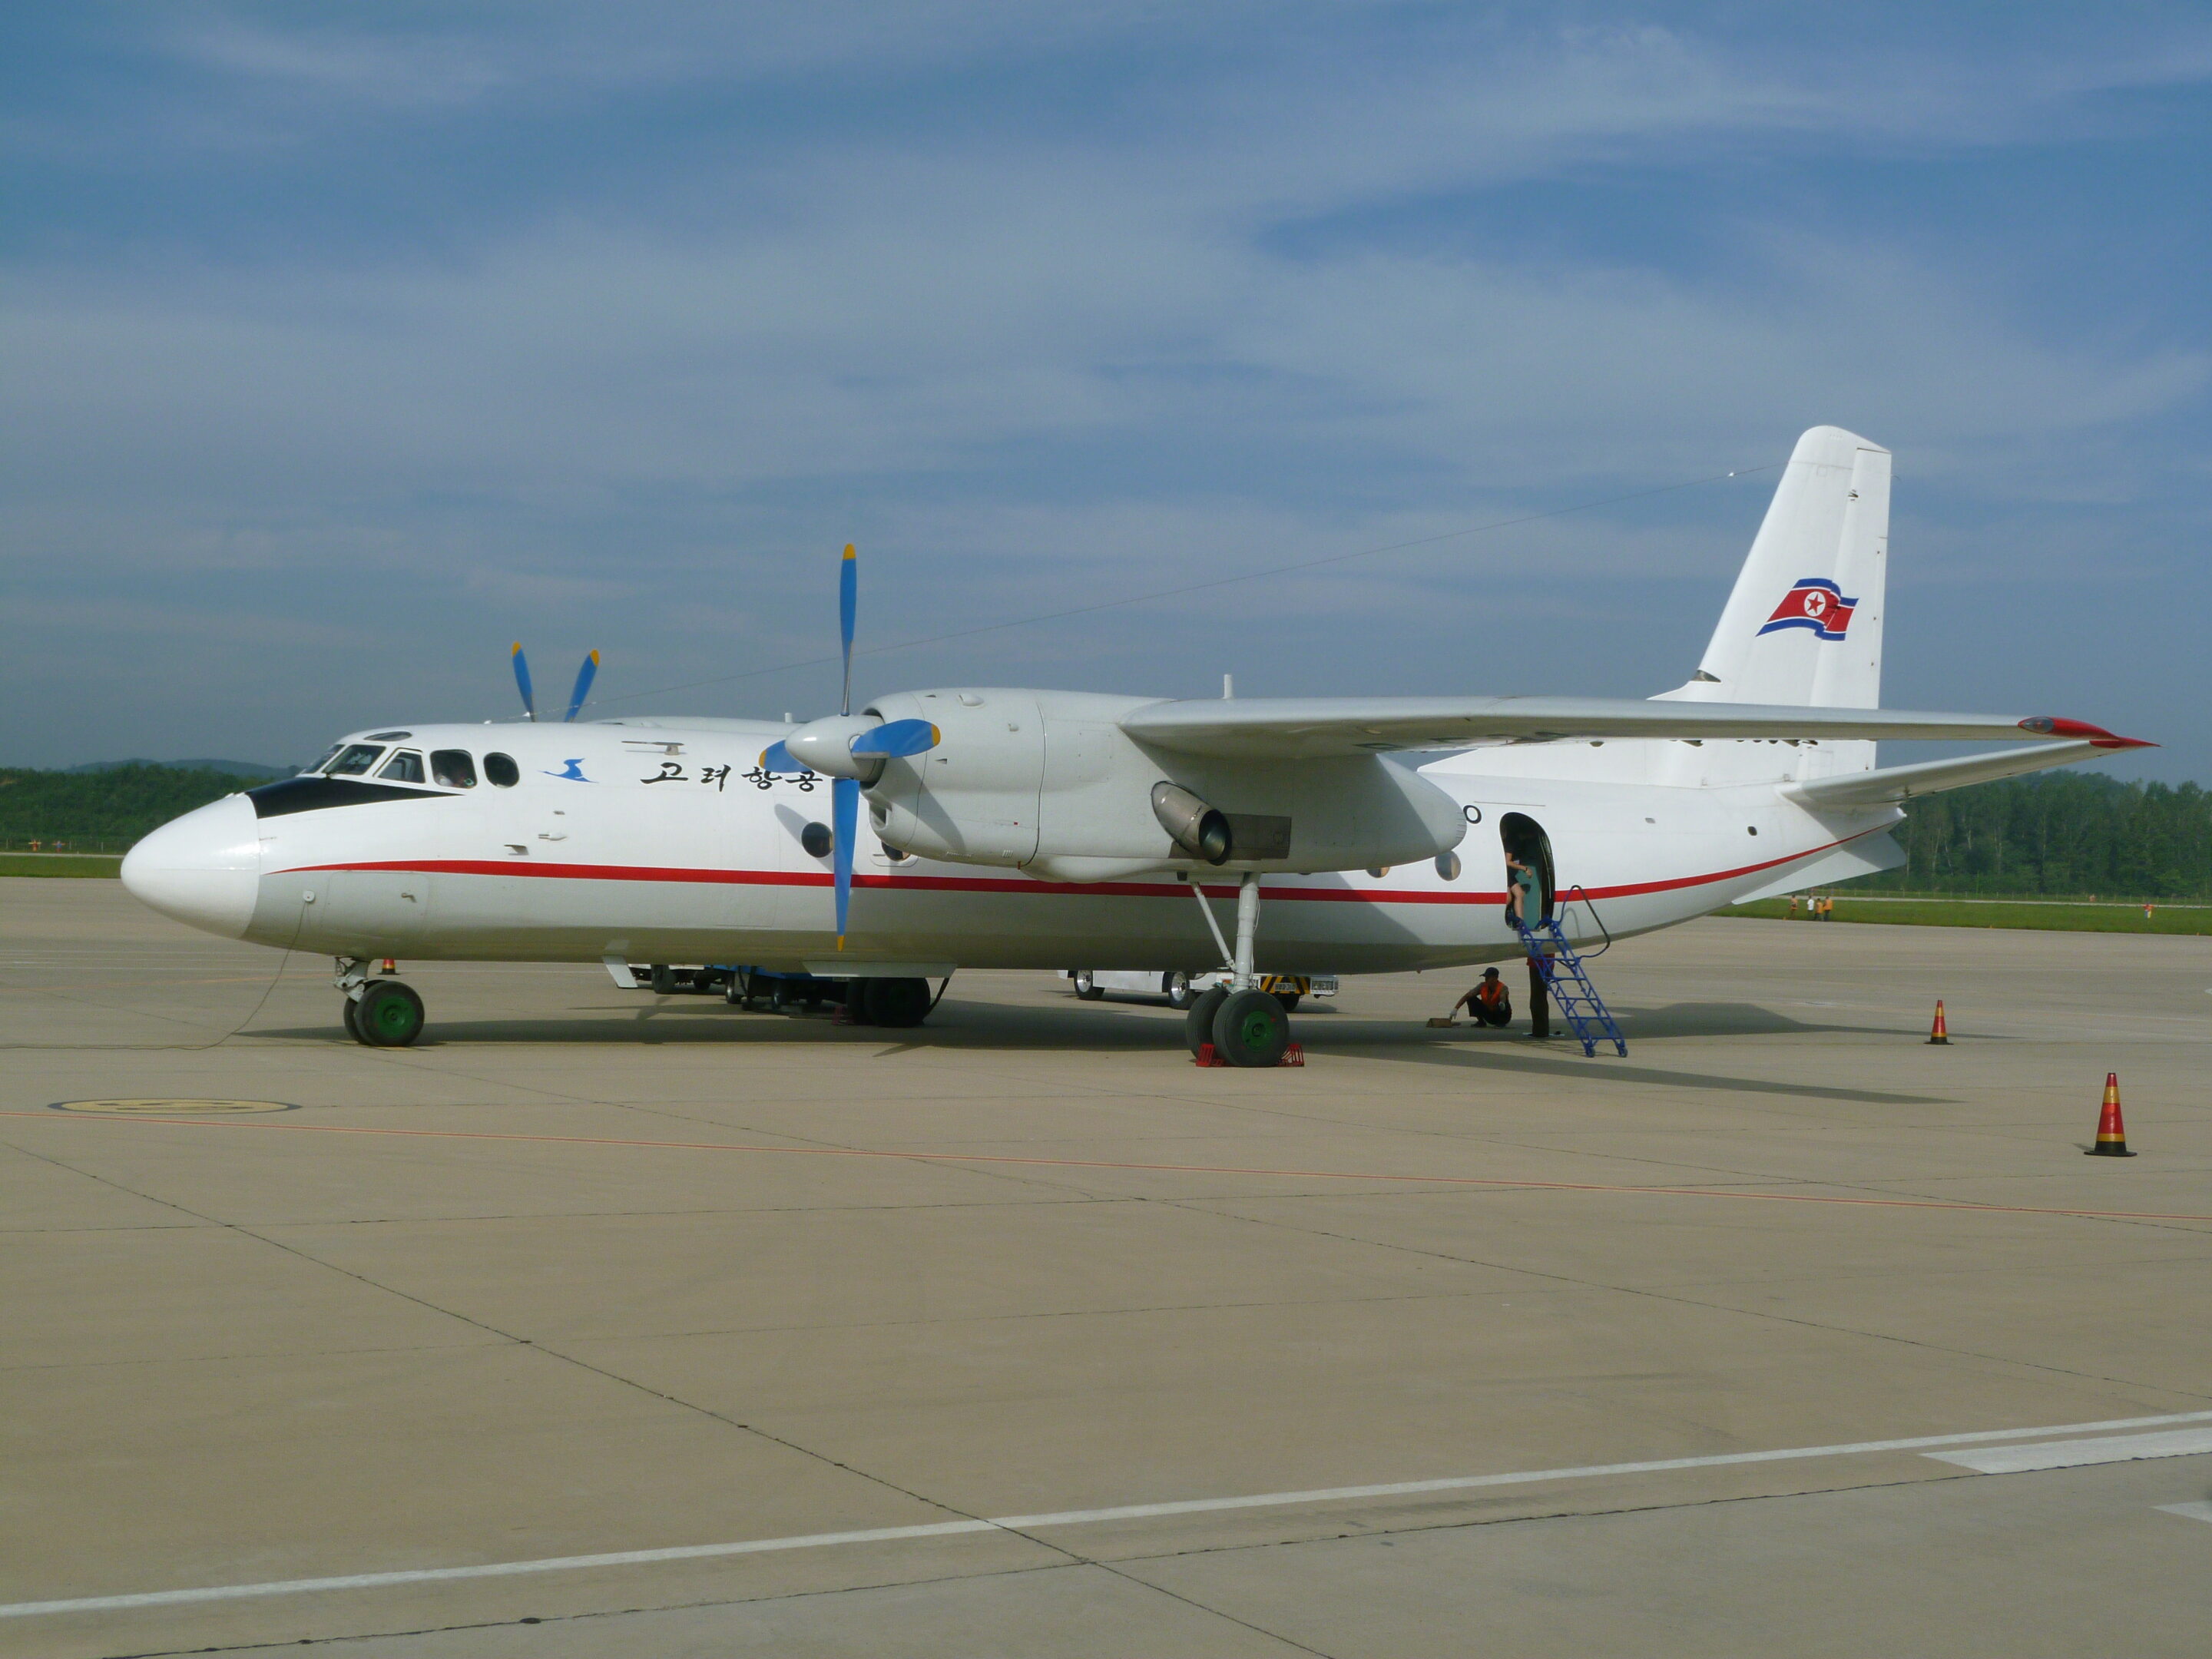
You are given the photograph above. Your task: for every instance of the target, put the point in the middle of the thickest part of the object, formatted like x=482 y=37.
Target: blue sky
x=340 y=346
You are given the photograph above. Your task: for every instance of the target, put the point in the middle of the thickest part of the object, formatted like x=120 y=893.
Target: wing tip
x=2052 y=725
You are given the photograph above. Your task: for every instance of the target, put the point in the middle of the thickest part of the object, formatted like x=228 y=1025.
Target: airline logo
x=1816 y=603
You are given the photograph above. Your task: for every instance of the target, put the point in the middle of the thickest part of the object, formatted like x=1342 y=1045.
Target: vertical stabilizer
x=1804 y=623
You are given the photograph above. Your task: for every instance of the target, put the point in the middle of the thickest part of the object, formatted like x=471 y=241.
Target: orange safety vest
x=1490 y=992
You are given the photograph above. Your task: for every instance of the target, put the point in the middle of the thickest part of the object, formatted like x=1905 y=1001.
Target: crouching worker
x=1489 y=1002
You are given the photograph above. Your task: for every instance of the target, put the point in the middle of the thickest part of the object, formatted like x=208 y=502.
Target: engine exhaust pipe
x=1195 y=827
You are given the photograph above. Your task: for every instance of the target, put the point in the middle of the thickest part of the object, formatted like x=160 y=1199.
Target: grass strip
x=60 y=864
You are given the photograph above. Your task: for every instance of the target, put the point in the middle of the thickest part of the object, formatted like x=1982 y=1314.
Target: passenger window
x=501 y=770
x=356 y=760
x=406 y=766
x=453 y=768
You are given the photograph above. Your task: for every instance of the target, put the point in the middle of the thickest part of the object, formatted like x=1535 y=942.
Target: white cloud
x=1024 y=351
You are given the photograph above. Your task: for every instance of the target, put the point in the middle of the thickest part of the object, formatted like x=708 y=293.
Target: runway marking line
x=1499 y=1182
x=2077 y=1454
x=1026 y=1523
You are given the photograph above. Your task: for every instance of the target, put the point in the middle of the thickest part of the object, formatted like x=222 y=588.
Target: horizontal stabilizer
x=1306 y=728
x=1893 y=784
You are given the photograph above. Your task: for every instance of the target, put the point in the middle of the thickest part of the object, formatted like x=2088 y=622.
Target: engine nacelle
x=1192 y=826
x=1049 y=781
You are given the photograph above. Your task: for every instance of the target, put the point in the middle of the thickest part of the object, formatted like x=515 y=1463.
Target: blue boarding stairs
x=1587 y=1015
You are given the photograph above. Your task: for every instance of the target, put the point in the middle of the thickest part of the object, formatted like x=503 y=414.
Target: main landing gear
x=1245 y=1025
x=379 y=1013
x=895 y=1002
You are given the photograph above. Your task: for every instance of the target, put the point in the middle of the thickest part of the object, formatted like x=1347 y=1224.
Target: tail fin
x=1804 y=623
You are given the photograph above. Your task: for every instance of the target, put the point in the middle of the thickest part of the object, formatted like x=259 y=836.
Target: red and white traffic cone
x=2112 y=1133
x=1939 y=1033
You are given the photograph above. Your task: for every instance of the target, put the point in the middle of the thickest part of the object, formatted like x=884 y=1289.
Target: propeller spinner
x=850 y=751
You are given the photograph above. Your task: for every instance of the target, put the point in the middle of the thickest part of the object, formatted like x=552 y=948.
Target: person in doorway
x=1489 y=1002
x=1527 y=900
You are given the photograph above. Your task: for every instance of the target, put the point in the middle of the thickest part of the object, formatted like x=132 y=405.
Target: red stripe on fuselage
x=1016 y=884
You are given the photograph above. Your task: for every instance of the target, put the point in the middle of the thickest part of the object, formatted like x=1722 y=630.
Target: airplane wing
x=1307 y=728
x=1891 y=784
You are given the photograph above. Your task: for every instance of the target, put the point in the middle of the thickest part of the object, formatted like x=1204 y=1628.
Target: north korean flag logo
x=1816 y=603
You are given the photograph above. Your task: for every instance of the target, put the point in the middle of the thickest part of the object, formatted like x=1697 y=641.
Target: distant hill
x=106 y=808
x=253 y=769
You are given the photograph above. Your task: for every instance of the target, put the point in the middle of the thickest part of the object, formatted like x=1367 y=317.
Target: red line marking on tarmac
x=1106 y=1164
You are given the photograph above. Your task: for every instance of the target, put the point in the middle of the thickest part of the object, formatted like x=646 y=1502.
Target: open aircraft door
x=1521 y=837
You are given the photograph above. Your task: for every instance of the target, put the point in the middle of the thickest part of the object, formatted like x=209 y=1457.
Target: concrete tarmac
x=818 y=1341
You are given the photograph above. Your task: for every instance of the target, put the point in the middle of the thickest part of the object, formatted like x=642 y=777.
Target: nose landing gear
x=379 y=1013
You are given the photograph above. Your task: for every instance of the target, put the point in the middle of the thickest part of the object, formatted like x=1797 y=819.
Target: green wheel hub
x=389 y=1015
x=1251 y=1029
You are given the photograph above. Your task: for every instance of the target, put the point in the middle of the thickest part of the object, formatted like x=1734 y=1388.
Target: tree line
x=103 y=811
x=2057 y=832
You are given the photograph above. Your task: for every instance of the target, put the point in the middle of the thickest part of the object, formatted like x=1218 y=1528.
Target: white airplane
x=1013 y=827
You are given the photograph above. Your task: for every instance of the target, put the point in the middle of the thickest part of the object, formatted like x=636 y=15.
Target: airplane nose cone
x=203 y=869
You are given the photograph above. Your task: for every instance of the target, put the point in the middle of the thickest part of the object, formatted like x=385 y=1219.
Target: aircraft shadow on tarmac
x=976 y=1025
x=1560 y=1058
x=1137 y=1029
x=1705 y=1019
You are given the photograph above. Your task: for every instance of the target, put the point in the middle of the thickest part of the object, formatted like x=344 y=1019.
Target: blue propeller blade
x=776 y=758
x=522 y=679
x=848 y=606
x=899 y=738
x=584 y=678
x=844 y=824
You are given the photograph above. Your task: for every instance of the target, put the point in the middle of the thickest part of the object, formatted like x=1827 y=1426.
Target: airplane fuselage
x=668 y=843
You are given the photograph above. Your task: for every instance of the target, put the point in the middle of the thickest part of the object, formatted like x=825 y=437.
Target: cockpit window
x=329 y=754
x=356 y=760
x=406 y=766
x=453 y=768
x=501 y=770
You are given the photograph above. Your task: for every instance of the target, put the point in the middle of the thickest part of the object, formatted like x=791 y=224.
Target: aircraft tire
x=347 y=1007
x=860 y=1001
x=1251 y=1027
x=734 y=992
x=1198 y=1024
x=663 y=980
x=899 y=1002
x=1180 y=995
x=1085 y=990
x=389 y=1014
